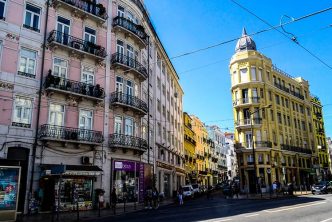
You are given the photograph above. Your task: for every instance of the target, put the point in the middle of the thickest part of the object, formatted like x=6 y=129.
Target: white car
x=188 y=191
x=196 y=189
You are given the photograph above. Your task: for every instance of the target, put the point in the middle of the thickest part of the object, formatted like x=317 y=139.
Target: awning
x=75 y=170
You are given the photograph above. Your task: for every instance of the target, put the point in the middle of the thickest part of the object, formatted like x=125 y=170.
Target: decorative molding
x=13 y=36
x=7 y=86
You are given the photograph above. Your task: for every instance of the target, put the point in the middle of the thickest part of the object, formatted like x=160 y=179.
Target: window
x=286 y=102
x=164 y=133
x=158 y=105
x=56 y=115
x=119 y=84
x=22 y=112
x=28 y=63
x=90 y=35
x=253 y=74
x=88 y=75
x=164 y=89
x=259 y=74
x=85 y=121
x=159 y=129
x=118 y=124
x=158 y=82
x=119 y=47
x=129 y=127
x=32 y=15
x=2 y=9
x=272 y=115
x=270 y=95
x=164 y=111
x=243 y=75
x=277 y=99
x=60 y=67
x=63 y=30
x=121 y=11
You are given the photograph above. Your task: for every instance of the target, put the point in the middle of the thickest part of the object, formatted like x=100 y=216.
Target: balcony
x=320 y=131
x=84 y=9
x=127 y=101
x=124 y=142
x=246 y=123
x=76 y=46
x=295 y=149
x=263 y=144
x=282 y=87
x=128 y=63
x=131 y=29
x=56 y=84
x=70 y=135
x=318 y=115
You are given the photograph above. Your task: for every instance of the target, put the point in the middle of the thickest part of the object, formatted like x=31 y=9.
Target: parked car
x=188 y=191
x=322 y=187
x=196 y=189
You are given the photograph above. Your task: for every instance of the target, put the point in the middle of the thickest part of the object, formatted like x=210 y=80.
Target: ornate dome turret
x=245 y=42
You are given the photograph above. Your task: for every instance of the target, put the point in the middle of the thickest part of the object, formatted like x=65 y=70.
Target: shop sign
x=82 y=173
x=124 y=165
x=141 y=181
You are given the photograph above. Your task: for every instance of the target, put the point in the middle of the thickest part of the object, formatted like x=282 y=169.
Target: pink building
x=74 y=98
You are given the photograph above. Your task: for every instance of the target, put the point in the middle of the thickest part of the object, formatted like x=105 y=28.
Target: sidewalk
x=268 y=196
x=87 y=215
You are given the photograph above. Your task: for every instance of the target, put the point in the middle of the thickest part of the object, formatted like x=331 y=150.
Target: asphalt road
x=309 y=208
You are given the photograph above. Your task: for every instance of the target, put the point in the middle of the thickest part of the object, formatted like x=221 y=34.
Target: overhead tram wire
x=291 y=21
x=237 y=38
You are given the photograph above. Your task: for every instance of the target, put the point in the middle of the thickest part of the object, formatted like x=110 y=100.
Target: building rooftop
x=245 y=42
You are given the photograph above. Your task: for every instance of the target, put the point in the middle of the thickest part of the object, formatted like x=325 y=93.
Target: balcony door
x=129 y=91
x=90 y=40
x=60 y=67
x=118 y=125
x=119 y=88
x=245 y=97
x=63 y=30
x=85 y=125
x=88 y=79
x=129 y=127
x=248 y=138
x=130 y=55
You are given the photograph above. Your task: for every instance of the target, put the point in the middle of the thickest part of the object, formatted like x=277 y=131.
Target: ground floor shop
x=130 y=179
x=169 y=179
x=67 y=186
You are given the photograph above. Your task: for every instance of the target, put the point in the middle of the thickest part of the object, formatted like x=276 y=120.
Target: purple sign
x=124 y=165
x=141 y=182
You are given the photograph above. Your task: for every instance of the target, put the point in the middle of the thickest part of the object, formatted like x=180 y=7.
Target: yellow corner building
x=273 y=113
x=189 y=150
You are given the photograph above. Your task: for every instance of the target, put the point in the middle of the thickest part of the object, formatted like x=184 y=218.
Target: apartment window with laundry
x=28 y=60
x=2 y=9
x=22 y=112
x=32 y=17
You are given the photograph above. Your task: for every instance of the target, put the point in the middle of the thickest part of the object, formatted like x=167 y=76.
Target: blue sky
x=186 y=25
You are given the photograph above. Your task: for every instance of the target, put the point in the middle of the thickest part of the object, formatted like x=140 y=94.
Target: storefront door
x=167 y=183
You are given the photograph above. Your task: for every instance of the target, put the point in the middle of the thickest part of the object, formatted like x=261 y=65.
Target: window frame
x=33 y=14
x=19 y=122
x=25 y=73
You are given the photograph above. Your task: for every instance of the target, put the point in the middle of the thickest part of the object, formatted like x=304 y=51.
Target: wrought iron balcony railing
x=90 y=7
x=71 y=86
x=77 y=44
x=127 y=100
x=247 y=122
x=137 y=30
x=126 y=141
x=282 y=87
x=131 y=63
x=263 y=144
x=295 y=149
x=61 y=133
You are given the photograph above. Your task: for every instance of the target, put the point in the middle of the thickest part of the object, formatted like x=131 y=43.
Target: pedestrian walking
x=180 y=195
x=155 y=198
x=236 y=190
x=148 y=198
x=113 y=199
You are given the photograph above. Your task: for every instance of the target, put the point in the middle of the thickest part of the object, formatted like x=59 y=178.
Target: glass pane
x=27 y=18
x=31 y=66
x=36 y=21
x=28 y=53
x=2 y=9
x=23 y=64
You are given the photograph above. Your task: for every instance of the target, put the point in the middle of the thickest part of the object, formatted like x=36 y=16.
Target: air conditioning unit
x=86 y=160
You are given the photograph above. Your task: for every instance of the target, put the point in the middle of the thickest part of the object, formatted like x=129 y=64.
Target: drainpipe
x=34 y=147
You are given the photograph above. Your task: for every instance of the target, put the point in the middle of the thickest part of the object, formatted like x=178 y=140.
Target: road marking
x=252 y=215
x=327 y=220
x=296 y=207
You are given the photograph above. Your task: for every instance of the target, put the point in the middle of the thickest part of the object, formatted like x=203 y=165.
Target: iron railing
x=125 y=23
x=68 y=133
x=82 y=88
x=130 y=62
x=88 y=6
x=255 y=99
x=126 y=141
x=247 y=122
x=263 y=144
x=76 y=43
x=118 y=97
x=295 y=149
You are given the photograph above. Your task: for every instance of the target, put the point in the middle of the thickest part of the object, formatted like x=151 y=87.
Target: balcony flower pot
x=102 y=9
x=83 y=89
x=68 y=85
x=49 y=81
x=56 y=81
x=91 y=89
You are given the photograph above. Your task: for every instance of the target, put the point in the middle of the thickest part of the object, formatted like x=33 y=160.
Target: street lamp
x=252 y=140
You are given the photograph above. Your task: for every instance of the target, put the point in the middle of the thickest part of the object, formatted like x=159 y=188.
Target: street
x=311 y=208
